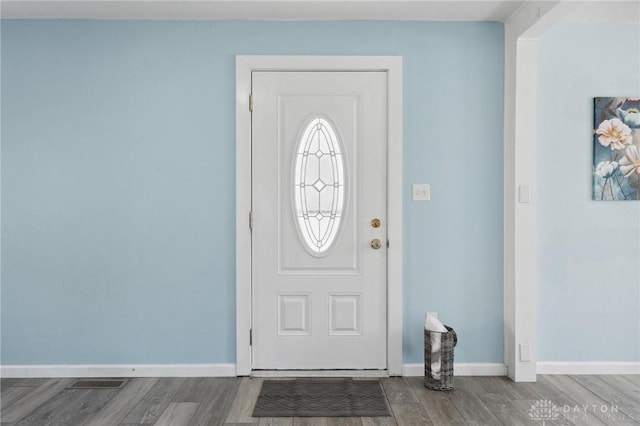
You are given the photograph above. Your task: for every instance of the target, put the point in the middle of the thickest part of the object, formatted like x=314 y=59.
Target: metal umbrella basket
x=443 y=379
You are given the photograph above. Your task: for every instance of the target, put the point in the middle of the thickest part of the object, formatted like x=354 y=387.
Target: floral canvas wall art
x=616 y=148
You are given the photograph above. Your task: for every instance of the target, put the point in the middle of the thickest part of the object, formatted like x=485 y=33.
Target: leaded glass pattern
x=319 y=192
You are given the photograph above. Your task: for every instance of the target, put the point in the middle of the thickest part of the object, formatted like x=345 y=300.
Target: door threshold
x=319 y=373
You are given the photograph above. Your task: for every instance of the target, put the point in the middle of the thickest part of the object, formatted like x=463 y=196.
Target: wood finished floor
x=494 y=401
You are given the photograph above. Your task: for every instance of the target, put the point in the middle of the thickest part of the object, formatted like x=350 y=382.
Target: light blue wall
x=588 y=251
x=118 y=183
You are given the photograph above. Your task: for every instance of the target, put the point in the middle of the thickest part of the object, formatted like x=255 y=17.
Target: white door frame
x=392 y=65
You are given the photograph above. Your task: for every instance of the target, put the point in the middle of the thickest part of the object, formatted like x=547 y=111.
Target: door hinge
x=251 y=220
x=387 y=243
x=251 y=102
x=250 y=337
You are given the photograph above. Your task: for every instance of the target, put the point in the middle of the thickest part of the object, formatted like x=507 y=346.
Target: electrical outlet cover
x=421 y=191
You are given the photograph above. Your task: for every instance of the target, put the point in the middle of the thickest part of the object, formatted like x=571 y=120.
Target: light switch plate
x=525 y=352
x=524 y=194
x=421 y=191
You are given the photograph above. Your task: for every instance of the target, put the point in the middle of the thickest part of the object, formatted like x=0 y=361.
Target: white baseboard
x=229 y=370
x=319 y=373
x=550 y=367
x=461 y=369
x=117 y=370
x=197 y=370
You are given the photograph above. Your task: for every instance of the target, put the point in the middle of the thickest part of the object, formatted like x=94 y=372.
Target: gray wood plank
x=499 y=402
x=118 y=407
x=344 y=421
x=193 y=389
x=71 y=419
x=635 y=378
x=93 y=402
x=440 y=409
x=276 y=421
x=611 y=395
x=504 y=385
x=25 y=405
x=531 y=390
x=151 y=407
x=177 y=414
x=621 y=383
x=31 y=382
x=470 y=406
x=11 y=394
x=635 y=395
x=583 y=396
x=398 y=390
x=246 y=397
x=565 y=404
x=411 y=414
x=543 y=390
x=505 y=409
x=216 y=402
x=53 y=408
x=8 y=382
x=472 y=384
x=578 y=393
x=379 y=421
x=309 y=421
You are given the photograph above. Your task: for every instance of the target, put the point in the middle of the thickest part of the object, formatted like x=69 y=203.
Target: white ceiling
x=418 y=10
x=432 y=10
x=607 y=11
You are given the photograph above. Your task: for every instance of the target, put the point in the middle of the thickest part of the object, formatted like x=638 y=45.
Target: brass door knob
x=375 y=223
x=376 y=244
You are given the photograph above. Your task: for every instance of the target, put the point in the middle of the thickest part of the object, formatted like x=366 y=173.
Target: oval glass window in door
x=319 y=187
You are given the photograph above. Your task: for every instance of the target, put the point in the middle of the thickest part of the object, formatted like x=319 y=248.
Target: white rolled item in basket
x=433 y=325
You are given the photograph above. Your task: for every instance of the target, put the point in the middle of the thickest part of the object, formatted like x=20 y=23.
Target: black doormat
x=321 y=398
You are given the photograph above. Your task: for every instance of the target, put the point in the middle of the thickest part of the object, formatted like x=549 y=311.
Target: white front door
x=319 y=288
